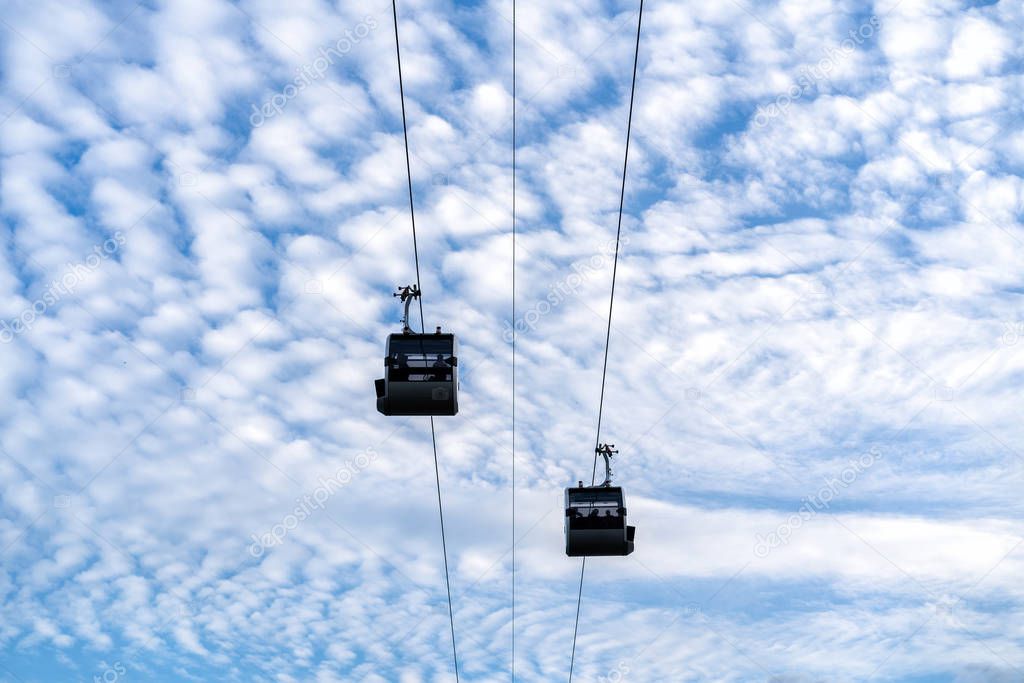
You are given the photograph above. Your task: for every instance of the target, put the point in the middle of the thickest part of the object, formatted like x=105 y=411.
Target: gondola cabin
x=595 y=522
x=421 y=375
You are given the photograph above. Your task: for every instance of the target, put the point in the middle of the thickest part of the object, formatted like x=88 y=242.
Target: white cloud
x=790 y=294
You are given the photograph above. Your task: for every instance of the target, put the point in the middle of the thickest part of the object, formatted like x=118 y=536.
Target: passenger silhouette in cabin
x=403 y=367
x=440 y=366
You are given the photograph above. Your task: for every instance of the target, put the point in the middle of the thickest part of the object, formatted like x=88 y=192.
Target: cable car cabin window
x=596 y=519
x=597 y=496
x=419 y=359
x=596 y=508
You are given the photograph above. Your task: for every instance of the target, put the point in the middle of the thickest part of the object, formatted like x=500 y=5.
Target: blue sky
x=814 y=357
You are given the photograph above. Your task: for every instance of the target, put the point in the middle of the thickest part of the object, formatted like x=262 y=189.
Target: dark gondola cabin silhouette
x=595 y=517
x=421 y=374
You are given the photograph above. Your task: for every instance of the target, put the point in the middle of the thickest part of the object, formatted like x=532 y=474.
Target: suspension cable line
x=611 y=303
x=408 y=166
x=513 y=341
x=416 y=253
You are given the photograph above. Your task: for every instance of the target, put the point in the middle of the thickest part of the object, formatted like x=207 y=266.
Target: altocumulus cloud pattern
x=814 y=369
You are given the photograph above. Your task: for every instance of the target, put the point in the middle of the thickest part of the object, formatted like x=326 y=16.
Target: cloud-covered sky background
x=815 y=353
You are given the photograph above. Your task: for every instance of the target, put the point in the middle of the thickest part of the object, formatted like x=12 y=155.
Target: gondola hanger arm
x=407 y=294
x=607 y=451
